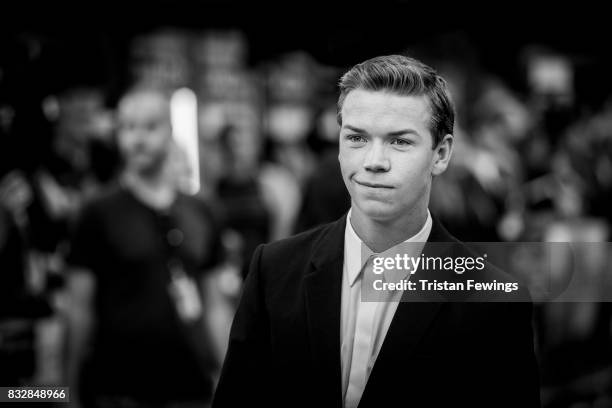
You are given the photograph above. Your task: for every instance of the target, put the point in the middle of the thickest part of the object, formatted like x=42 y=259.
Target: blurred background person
x=325 y=198
x=260 y=195
x=20 y=306
x=141 y=301
x=23 y=300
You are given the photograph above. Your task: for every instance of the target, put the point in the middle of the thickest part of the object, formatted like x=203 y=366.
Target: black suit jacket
x=284 y=347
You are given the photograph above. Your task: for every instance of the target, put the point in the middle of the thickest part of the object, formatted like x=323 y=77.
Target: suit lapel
x=410 y=322
x=323 y=308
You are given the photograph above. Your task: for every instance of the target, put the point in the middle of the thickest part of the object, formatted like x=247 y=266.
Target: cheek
x=350 y=159
x=346 y=169
x=416 y=169
x=343 y=160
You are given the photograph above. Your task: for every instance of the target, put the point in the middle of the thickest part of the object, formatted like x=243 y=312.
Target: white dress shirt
x=364 y=325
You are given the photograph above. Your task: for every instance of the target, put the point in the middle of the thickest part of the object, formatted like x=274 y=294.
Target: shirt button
x=175 y=237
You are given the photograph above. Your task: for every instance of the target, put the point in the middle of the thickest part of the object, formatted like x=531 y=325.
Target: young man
x=138 y=319
x=302 y=336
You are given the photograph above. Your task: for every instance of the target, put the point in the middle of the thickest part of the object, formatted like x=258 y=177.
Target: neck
x=154 y=190
x=380 y=235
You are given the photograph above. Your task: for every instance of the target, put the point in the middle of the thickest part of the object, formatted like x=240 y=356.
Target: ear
x=442 y=155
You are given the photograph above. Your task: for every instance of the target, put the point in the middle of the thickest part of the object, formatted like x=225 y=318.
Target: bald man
x=138 y=259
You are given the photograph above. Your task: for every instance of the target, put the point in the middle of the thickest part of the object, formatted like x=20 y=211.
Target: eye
x=402 y=142
x=356 y=138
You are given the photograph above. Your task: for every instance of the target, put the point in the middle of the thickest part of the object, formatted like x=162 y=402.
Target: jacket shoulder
x=300 y=245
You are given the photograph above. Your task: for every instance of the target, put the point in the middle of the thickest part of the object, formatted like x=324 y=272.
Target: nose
x=376 y=158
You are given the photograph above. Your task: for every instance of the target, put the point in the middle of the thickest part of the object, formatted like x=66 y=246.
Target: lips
x=373 y=185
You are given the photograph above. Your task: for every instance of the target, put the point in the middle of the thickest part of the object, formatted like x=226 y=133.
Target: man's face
x=386 y=154
x=144 y=132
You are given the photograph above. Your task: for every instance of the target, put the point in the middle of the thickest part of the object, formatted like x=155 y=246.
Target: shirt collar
x=357 y=253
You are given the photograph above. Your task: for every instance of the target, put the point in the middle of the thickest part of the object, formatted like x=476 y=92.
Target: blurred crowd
x=530 y=164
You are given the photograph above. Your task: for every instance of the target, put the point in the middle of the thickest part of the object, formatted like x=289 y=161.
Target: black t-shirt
x=140 y=346
x=245 y=212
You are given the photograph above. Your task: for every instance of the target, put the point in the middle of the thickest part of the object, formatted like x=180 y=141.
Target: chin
x=378 y=211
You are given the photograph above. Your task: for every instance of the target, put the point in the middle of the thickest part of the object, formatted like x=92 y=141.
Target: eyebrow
x=392 y=134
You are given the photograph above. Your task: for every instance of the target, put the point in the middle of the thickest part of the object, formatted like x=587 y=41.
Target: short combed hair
x=403 y=76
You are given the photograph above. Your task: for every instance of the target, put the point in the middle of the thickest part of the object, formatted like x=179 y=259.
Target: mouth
x=373 y=185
